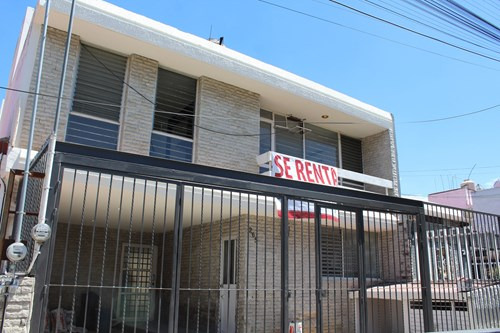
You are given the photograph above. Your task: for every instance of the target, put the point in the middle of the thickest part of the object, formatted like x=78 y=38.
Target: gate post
x=360 y=231
x=284 y=265
x=425 y=277
x=319 y=287
x=176 y=261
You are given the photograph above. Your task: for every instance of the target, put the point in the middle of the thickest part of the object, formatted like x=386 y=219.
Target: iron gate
x=161 y=246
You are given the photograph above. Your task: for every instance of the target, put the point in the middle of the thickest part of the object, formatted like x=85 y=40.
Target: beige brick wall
x=137 y=112
x=226 y=108
x=380 y=160
x=19 y=305
x=51 y=76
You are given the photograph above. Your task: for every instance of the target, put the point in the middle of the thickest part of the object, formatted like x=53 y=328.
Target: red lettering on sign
x=309 y=172
x=325 y=169
x=318 y=174
x=277 y=159
x=334 y=177
x=300 y=170
x=287 y=167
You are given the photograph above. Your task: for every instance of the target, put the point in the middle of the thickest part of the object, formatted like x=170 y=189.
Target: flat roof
x=110 y=27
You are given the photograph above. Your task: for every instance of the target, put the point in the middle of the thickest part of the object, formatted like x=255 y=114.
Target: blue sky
x=410 y=83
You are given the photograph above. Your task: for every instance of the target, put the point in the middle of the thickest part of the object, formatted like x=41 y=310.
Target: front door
x=227 y=304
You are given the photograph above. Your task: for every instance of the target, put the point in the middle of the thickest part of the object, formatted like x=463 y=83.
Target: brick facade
x=51 y=76
x=380 y=159
x=228 y=109
x=19 y=304
x=137 y=112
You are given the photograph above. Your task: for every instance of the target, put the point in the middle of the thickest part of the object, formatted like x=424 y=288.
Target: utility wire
x=372 y=34
x=235 y=118
x=373 y=3
x=413 y=31
x=452 y=117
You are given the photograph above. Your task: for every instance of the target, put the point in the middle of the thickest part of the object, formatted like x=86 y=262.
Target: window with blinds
x=95 y=113
x=339 y=254
x=172 y=136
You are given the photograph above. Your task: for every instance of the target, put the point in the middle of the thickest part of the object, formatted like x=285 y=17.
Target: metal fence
x=158 y=246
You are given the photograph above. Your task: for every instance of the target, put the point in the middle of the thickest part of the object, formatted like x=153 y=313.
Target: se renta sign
x=289 y=167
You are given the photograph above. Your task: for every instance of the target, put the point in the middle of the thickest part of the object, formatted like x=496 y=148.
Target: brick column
x=228 y=109
x=380 y=159
x=19 y=306
x=137 y=112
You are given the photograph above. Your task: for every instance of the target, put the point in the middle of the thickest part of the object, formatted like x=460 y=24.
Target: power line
x=373 y=35
x=413 y=31
x=236 y=118
x=452 y=169
x=451 y=117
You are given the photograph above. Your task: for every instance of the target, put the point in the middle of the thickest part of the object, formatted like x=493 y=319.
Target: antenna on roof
x=468 y=177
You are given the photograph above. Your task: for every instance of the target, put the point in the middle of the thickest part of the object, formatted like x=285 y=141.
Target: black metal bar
x=425 y=277
x=176 y=259
x=284 y=264
x=105 y=159
x=360 y=231
x=319 y=270
x=43 y=267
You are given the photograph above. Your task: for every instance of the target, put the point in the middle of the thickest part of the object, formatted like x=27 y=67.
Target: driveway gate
x=146 y=245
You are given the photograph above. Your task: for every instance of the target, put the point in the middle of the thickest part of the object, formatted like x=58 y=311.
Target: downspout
x=53 y=137
x=20 y=213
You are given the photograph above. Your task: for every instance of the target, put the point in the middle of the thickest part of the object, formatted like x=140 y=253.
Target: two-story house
x=141 y=241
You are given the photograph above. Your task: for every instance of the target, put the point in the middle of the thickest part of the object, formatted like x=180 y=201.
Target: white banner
x=289 y=167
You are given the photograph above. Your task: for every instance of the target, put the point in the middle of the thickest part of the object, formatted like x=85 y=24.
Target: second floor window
x=172 y=135
x=95 y=114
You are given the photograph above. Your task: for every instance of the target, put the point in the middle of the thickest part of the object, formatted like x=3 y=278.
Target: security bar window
x=172 y=136
x=95 y=114
x=339 y=256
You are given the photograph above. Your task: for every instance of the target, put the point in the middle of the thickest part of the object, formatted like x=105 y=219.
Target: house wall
x=224 y=108
x=51 y=76
x=19 y=304
x=137 y=112
x=380 y=160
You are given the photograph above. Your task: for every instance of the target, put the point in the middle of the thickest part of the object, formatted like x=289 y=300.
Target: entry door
x=227 y=304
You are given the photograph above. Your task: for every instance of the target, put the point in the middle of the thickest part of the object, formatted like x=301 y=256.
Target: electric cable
x=235 y=118
x=373 y=35
x=413 y=31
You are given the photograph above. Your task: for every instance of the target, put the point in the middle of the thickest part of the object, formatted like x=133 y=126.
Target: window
x=339 y=254
x=172 y=136
x=100 y=80
x=291 y=136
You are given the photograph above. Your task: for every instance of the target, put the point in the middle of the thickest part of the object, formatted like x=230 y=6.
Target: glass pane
x=175 y=96
x=91 y=132
x=266 y=114
x=265 y=137
x=321 y=145
x=289 y=138
x=171 y=148
x=100 y=79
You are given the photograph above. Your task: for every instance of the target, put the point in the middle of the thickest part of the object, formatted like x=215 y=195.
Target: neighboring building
x=163 y=219
x=469 y=196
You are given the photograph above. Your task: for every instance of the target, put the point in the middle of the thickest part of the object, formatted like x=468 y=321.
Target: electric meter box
x=41 y=232
x=17 y=252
